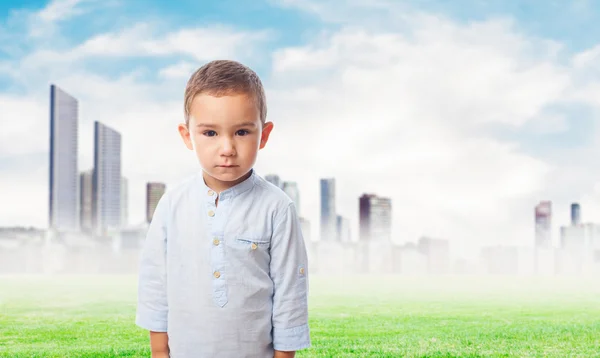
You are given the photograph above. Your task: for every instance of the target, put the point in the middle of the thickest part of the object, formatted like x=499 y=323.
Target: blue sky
x=465 y=113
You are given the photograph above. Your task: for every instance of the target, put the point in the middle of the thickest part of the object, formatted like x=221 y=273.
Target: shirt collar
x=231 y=192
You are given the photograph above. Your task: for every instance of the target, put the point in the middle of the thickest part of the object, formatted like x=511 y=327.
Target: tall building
x=124 y=202
x=575 y=214
x=64 y=172
x=107 y=179
x=87 y=200
x=154 y=191
x=275 y=180
x=543 y=225
x=375 y=218
x=291 y=189
x=343 y=229
x=328 y=213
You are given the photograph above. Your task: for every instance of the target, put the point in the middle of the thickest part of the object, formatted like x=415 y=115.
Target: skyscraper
x=64 y=172
x=328 y=214
x=575 y=214
x=87 y=200
x=343 y=229
x=107 y=179
x=275 y=180
x=375 y=218
x=291 y=189
x=154 y=191
x=543 y=225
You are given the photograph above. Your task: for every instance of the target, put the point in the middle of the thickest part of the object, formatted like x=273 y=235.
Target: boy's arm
x=289 y=272
x=159 y=344
x=152 y=280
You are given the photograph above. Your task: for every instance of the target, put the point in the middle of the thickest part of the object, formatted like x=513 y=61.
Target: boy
x=223 y=271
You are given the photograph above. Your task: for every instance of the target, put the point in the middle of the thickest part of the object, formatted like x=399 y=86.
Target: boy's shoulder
x=271 y=192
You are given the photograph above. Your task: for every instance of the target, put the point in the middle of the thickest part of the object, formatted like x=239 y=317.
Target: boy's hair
x=222 y=78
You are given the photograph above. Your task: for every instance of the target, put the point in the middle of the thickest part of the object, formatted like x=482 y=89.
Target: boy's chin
x=229 y=176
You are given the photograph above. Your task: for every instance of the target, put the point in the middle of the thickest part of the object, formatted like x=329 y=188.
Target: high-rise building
x=275 y=180
x=343 y=229
x=328 y=213
x=375 y=218
x=124 y=202
x=107 y=179
x=64 y=172
x=543 y=225
x=154 y=191
x=87 y=200
x=291 y=189
x=575 y=214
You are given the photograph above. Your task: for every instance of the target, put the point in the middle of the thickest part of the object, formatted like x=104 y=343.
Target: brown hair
x=225 y=77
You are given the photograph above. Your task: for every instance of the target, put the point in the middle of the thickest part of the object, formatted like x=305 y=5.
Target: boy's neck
x=219 y=186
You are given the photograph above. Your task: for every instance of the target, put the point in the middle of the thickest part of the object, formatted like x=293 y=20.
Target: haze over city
x=465 y=122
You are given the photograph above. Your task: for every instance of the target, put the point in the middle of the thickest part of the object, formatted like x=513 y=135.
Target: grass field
x=92 y=316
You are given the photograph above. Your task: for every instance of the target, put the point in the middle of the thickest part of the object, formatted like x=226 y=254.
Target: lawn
x=363 y=316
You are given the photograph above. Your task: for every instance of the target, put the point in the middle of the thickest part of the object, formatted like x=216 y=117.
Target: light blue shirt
x=226 y=280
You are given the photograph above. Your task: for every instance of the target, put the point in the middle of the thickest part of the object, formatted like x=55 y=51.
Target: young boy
x=223 y=271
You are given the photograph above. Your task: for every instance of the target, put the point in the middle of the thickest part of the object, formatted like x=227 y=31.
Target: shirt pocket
x=250 y=242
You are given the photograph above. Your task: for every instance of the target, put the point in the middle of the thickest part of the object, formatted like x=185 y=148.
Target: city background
x=463 y=141
x=89 y=229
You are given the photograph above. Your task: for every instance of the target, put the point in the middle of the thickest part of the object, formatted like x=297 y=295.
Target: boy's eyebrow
x=245 y=124
x=206 y=125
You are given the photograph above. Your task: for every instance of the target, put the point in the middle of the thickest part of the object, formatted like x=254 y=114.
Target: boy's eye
x=210 y=133
x=242 y=132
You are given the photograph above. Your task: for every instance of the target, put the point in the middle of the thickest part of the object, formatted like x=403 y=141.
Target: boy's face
x=226 y=134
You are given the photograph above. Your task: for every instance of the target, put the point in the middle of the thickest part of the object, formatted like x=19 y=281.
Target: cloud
x=408 y=115
x=407 y=110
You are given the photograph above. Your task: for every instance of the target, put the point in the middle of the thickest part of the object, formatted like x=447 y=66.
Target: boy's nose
x=227 y=148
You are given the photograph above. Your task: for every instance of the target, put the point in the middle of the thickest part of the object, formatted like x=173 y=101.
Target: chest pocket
x=248 y=249
x=249 y=242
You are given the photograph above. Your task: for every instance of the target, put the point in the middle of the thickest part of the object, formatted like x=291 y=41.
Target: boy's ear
x=266 y=131
x=184 y=132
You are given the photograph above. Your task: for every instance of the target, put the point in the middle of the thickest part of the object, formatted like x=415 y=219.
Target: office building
x=575 y=214
x=154 y=191
x=87 y=201
x=543 y=225
x=328 y=213
x=107 y=179
x=63 y=171
x=375 y=218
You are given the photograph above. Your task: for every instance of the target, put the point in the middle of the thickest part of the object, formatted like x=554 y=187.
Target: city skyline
x=464 y=119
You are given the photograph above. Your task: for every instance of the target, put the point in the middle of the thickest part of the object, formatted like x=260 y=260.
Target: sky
x=465 y=115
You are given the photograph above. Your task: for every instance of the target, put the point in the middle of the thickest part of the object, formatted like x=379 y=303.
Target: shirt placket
x=216 y=227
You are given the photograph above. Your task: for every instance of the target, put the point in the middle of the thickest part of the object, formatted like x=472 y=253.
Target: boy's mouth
x=228 y=166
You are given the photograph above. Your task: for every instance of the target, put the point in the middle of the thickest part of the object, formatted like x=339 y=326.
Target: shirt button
x=216 y=242
x=211 y=193
x=302 y=270
x=217 y=274
x=254 y=246
x=211 y=213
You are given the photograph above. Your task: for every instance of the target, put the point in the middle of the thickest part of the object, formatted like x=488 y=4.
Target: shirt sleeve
x=152 y=306
x=289 y=272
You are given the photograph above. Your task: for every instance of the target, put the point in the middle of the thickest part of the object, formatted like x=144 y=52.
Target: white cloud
x=181 y=69
x=403 y=112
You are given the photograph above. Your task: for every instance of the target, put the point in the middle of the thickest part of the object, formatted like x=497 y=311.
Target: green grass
x=82 y=316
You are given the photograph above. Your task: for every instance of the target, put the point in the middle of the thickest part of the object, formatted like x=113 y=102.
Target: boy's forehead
x=224 y=109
